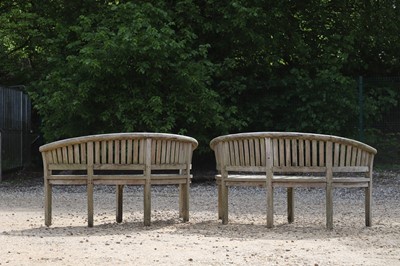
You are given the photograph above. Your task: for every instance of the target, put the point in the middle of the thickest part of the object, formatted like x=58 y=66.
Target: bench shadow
x=103 y=229
x=238 y=231
x=207 y=228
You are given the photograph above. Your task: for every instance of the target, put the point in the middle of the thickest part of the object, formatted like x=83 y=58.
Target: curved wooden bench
x=272 y=159
x=119 y=159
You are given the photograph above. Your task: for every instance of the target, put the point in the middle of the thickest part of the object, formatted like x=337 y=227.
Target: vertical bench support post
x=47 y=192
x=329 y=176
x=119 y=198
x=224 y=189
x=368 y=195
x=269 y=182
x=290 y=204
x=184 y=188
x=147 y=184
x=90 y=174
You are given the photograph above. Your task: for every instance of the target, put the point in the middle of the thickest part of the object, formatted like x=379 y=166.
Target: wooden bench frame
x=119 y=159
x=253 y=159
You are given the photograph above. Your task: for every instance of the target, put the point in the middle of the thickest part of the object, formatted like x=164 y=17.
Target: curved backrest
x=120 y=151
x=291 y=152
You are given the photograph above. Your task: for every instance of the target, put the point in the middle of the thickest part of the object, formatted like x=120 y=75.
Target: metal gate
x=15 y=127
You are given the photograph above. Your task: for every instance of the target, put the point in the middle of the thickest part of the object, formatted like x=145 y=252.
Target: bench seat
x=293 y=181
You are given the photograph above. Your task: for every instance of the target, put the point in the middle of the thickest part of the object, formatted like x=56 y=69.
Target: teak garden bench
x=119 y=159
x=283 y=159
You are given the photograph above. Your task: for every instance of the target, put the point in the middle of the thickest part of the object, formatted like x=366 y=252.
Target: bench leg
x=90 y=203
x=329 y=206
x=120 y=191
x=147 y=203
x=224 y=203
x=219 y=202
x=270 y=206
x=290 y=204
x=47 y=203
x=181 y=201
x=184 y=202
x=368 y=203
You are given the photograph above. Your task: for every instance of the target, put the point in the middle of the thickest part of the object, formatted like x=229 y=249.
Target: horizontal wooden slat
x=167 y=176
x=280 y=178
x=243 y=178
x=296 y=169
x=153 y=177
x=138 y=182
x=117 y=177
x=310 y=184
x=168 y=182
x=293 y=181
x=67 y=182
x=245 y=183
x=67 y=167
x=169 y=167
x=240 y=181
x=351 y=180
x=350 y=169
x=67 y=177
x=261 y=169
x=118 y=167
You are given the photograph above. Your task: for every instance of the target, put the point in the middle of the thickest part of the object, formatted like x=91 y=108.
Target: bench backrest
x=291 y=152
x=122 y=151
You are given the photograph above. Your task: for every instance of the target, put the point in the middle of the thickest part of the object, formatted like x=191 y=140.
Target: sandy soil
x=203 y=240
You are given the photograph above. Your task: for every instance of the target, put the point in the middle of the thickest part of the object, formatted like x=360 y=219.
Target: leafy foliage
x=201 y=68
x=128 y=68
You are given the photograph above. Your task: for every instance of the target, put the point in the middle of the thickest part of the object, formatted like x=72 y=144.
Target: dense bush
x=201 y=68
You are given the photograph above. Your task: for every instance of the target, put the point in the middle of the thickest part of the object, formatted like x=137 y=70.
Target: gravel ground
x=203 y=240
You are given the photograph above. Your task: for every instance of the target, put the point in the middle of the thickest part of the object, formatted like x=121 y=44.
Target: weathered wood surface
x=291 y=159
x=119 y=159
